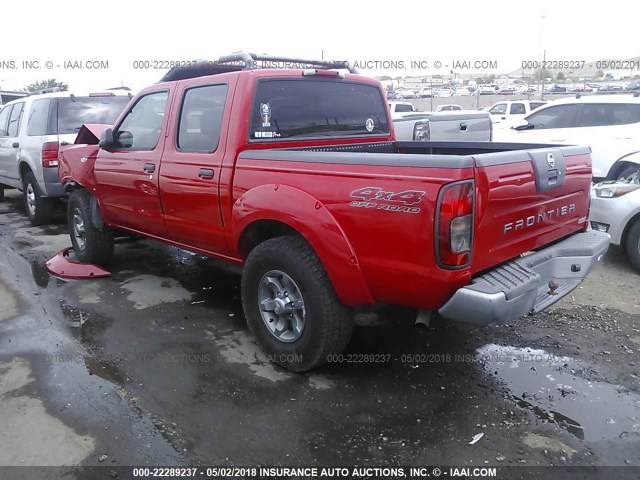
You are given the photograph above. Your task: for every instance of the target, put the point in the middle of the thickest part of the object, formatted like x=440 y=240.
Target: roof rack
x=248 y=61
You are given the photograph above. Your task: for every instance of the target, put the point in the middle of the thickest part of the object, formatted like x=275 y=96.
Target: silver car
x=615 y=209
x=31 y=130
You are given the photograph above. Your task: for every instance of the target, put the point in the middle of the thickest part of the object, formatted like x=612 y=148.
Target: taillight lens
x=454 y=224
x=50 y=154
x=421 y=131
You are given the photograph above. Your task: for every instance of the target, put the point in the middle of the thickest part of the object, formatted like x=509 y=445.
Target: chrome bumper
x=522 y=286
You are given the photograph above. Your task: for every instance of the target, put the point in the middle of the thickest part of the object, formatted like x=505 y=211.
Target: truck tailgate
x=528 y=199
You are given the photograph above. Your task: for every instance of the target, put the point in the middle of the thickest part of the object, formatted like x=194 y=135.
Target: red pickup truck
x=295 y=173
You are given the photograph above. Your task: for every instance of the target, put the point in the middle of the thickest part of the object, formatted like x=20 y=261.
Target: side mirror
x=522 y=125
x=106 y=140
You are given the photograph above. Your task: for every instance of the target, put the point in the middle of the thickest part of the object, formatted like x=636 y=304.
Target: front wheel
x=632 y=245
x=90 y=244
x=291 y=306
x=39 y=209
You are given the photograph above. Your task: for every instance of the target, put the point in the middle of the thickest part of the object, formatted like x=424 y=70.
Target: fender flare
x=311 y=219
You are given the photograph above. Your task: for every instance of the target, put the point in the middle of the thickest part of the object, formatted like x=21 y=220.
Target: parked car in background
x=448 y=107
x=32 y=129
x=557 y=89
x=504 y=114
x=487 y=90
x=506 y=91
x=443 y=92
x=425 y=92
x=400 y=94
x=615 y=209
x=444 y=126
x=609 y=124
x=461 y=92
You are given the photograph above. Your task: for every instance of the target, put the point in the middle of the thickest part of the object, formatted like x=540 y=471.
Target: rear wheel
x=291 y=306
x=632 y=245
x=39 y=209
x=90 y=244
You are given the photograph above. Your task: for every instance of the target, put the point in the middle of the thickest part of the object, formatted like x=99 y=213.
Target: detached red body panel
x=61 y=266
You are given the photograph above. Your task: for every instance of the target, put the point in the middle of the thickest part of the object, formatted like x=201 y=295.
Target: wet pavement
x=155 y=365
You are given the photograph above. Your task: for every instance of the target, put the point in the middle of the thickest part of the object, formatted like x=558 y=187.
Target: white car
x=461 y=92
x=405 y=94
x=609 y=124
x=425 y=92
x=443 y=92
x=32 y=129
x=615 y=208
x=504 y=114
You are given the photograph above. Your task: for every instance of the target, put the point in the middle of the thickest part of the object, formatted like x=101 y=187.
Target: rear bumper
x=52 y=185
x=522 y=286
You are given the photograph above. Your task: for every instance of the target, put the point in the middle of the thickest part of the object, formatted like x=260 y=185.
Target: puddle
x=104 y=370
x=40 y=273
x=8 y=302
x=149 y=291
x=554 y=388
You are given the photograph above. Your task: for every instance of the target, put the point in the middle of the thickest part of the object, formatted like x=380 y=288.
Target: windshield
x=76 y=111
x=317 y=107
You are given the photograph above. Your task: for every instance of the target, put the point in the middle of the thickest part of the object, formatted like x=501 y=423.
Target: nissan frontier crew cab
x=295 y=173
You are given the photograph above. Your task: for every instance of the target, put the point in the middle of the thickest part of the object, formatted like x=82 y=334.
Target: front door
x=127 y=174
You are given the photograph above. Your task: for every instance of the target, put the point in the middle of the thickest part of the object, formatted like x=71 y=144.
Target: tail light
x=421 y=131
x=454 y=224
x=50 y=154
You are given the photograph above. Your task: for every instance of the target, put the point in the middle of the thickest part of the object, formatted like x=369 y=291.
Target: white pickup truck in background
x=506 y=114
x=448 y=126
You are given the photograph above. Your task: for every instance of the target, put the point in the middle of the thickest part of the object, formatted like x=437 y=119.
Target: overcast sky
x=122 y=32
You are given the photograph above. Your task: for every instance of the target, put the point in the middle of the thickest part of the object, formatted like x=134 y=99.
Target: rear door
x=527 y=199
x=190 y=169
x=10 y=120
x=127 y=175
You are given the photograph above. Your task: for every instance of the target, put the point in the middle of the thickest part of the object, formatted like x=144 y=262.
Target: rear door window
x=315 y=108
x=15 y=120
x=201 y=118
x=517 y=109
x=73 y=112
x=38 y=117
x=603 y=114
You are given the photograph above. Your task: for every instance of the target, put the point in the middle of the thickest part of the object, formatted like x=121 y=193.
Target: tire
x=327 y=324
x=627 y=172
x=632 y=245
x=39 y=209
x=90 y=244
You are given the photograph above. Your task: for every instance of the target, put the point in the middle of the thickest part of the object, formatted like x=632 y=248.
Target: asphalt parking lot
x=155 y=365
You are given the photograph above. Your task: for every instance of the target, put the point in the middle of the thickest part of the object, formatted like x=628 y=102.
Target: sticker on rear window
x=265 y=112
x=369 y=124
x=266 y=134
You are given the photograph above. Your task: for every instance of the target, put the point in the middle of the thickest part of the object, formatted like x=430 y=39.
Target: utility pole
x=544 y=58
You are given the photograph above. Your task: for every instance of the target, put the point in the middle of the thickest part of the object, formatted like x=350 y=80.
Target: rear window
x=301 y=108
x=73 y=113
x=404 y=108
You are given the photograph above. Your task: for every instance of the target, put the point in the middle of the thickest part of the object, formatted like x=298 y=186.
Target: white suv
x=609 y=124
x=32 y=128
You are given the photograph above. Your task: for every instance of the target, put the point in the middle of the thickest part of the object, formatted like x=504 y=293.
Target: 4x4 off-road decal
x=375 y=197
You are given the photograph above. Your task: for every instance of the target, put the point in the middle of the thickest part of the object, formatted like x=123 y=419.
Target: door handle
x=149 y=167
x=463 y=127
x=15 y=144
x=205 y=173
